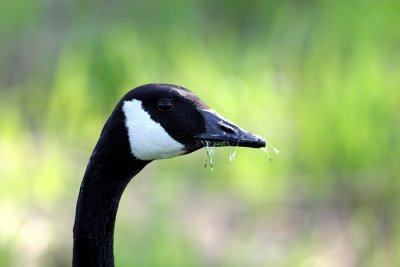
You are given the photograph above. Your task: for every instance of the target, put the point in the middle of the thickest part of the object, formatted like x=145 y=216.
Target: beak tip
x=261 y=141
x=256 y=141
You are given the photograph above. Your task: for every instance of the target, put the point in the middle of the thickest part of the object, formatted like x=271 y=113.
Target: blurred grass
x=320 y=79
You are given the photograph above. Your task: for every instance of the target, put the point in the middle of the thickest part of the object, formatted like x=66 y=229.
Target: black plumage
x=113 y=163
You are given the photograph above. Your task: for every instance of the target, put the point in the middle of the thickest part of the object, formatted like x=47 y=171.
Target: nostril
x=226 y=128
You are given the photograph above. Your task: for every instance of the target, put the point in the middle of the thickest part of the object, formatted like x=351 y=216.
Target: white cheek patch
x=147 y=138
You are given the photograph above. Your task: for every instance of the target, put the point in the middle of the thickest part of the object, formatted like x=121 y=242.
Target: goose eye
x=165 y=104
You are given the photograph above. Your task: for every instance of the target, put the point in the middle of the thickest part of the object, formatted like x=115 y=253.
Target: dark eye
x=165 y=104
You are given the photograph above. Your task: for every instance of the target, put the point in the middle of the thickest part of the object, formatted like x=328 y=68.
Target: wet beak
x=221 y=132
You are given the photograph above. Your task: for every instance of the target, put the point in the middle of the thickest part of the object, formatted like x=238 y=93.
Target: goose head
x=164 y=121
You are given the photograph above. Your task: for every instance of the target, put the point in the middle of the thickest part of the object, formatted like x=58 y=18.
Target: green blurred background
x=319 y=79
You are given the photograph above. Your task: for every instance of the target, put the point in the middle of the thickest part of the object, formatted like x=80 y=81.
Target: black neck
x=110 y=169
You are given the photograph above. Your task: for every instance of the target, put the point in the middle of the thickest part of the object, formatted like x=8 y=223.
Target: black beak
x=221 y=132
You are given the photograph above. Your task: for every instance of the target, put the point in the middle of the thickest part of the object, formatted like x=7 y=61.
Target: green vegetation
x=320 y=79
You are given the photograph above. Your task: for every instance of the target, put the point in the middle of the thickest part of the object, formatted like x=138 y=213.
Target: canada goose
x=153 y=121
